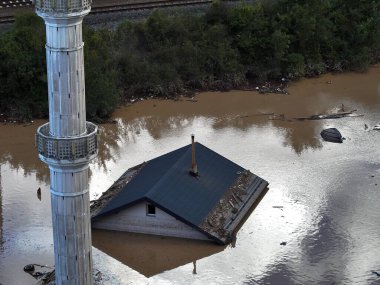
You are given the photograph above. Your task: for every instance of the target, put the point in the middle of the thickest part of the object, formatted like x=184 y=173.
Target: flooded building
x=191 y=192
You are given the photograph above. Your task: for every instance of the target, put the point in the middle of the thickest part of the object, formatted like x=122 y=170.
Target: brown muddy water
x=324 y=198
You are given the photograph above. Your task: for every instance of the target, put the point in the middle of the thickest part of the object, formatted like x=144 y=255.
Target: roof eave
x=196 y=227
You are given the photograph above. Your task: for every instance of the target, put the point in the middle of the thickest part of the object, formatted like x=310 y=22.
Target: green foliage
x=168 y=55
x=102 y=94
x=23 y=92
x=22 y=69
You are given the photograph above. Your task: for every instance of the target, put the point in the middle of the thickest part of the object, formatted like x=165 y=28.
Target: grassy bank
x=165 y=56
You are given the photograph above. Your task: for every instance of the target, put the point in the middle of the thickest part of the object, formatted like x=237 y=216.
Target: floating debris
x=332 y=135
x=39 y=193
x=283 y=243
x=376 y=127
x=330 y=116
x=29 y=267
x=43 y=273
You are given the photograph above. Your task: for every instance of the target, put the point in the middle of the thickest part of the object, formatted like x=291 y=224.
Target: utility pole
x=67 y=143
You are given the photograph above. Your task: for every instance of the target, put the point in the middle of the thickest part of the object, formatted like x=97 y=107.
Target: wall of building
x=135 y=219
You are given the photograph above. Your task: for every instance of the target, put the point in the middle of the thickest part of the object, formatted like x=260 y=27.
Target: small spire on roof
x=194 y=168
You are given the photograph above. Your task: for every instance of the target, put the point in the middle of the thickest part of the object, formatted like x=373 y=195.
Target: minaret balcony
x=62 y=6
x=60 y=149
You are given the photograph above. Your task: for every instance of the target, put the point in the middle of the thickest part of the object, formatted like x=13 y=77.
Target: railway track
x=121 y=7
x=146 y=5
x=6 y=19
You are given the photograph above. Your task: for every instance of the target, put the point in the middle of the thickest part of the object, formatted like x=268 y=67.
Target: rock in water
x=332 y=135
x=29 y=267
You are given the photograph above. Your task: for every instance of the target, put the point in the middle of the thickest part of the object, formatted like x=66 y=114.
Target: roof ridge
x=167 y=173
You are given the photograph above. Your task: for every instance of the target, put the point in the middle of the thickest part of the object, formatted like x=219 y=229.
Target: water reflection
x=237 y=109
x=158 y=123
x=276 y=274
x=151 y=255
x=303 y=136
x=17 y=148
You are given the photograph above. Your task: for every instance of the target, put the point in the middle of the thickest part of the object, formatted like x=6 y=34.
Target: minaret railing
x=71 y=148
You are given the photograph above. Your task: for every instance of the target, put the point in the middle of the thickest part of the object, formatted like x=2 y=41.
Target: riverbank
x=166 y=56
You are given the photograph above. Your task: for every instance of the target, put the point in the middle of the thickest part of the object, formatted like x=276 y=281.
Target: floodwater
x=323 y=199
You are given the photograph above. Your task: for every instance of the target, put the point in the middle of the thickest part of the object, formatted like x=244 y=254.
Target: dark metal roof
x=166 y=181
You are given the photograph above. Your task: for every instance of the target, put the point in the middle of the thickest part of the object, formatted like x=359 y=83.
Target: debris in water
x=377 y=273
x=376 y=127
x=330 y=116
x=332 y=135
x=194 y=267
x=283 y=243
x=39 y=193
x=29 y=267
x=278 y=207
x=98 y=276
x=43 y=273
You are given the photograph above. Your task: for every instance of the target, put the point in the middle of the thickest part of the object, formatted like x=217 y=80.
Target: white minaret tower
x=67 y=143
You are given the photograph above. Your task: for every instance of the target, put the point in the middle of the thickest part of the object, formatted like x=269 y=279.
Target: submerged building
x=192 y=192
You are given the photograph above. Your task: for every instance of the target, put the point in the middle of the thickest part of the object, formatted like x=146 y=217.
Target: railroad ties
x=9 y=7
x=4 y=4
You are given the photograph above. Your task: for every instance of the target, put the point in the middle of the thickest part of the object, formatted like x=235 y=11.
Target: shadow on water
x=151 y=255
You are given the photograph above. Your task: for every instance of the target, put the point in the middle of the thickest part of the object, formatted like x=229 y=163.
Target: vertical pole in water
x=67 y=143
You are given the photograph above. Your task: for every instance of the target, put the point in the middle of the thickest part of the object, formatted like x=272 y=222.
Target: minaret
x=67 y=143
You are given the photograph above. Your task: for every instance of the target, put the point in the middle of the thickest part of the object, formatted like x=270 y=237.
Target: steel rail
x=126 y=7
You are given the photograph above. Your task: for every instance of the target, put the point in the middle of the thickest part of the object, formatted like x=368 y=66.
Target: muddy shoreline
x=266 y=88
x=280 y=86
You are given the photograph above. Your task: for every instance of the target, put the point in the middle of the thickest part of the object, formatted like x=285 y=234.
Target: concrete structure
x=67 y=143
x=180 y=194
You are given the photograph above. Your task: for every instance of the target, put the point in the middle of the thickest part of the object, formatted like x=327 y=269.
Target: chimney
x=194 y=168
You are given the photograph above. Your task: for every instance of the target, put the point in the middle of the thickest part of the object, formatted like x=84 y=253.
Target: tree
x=23 y=91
